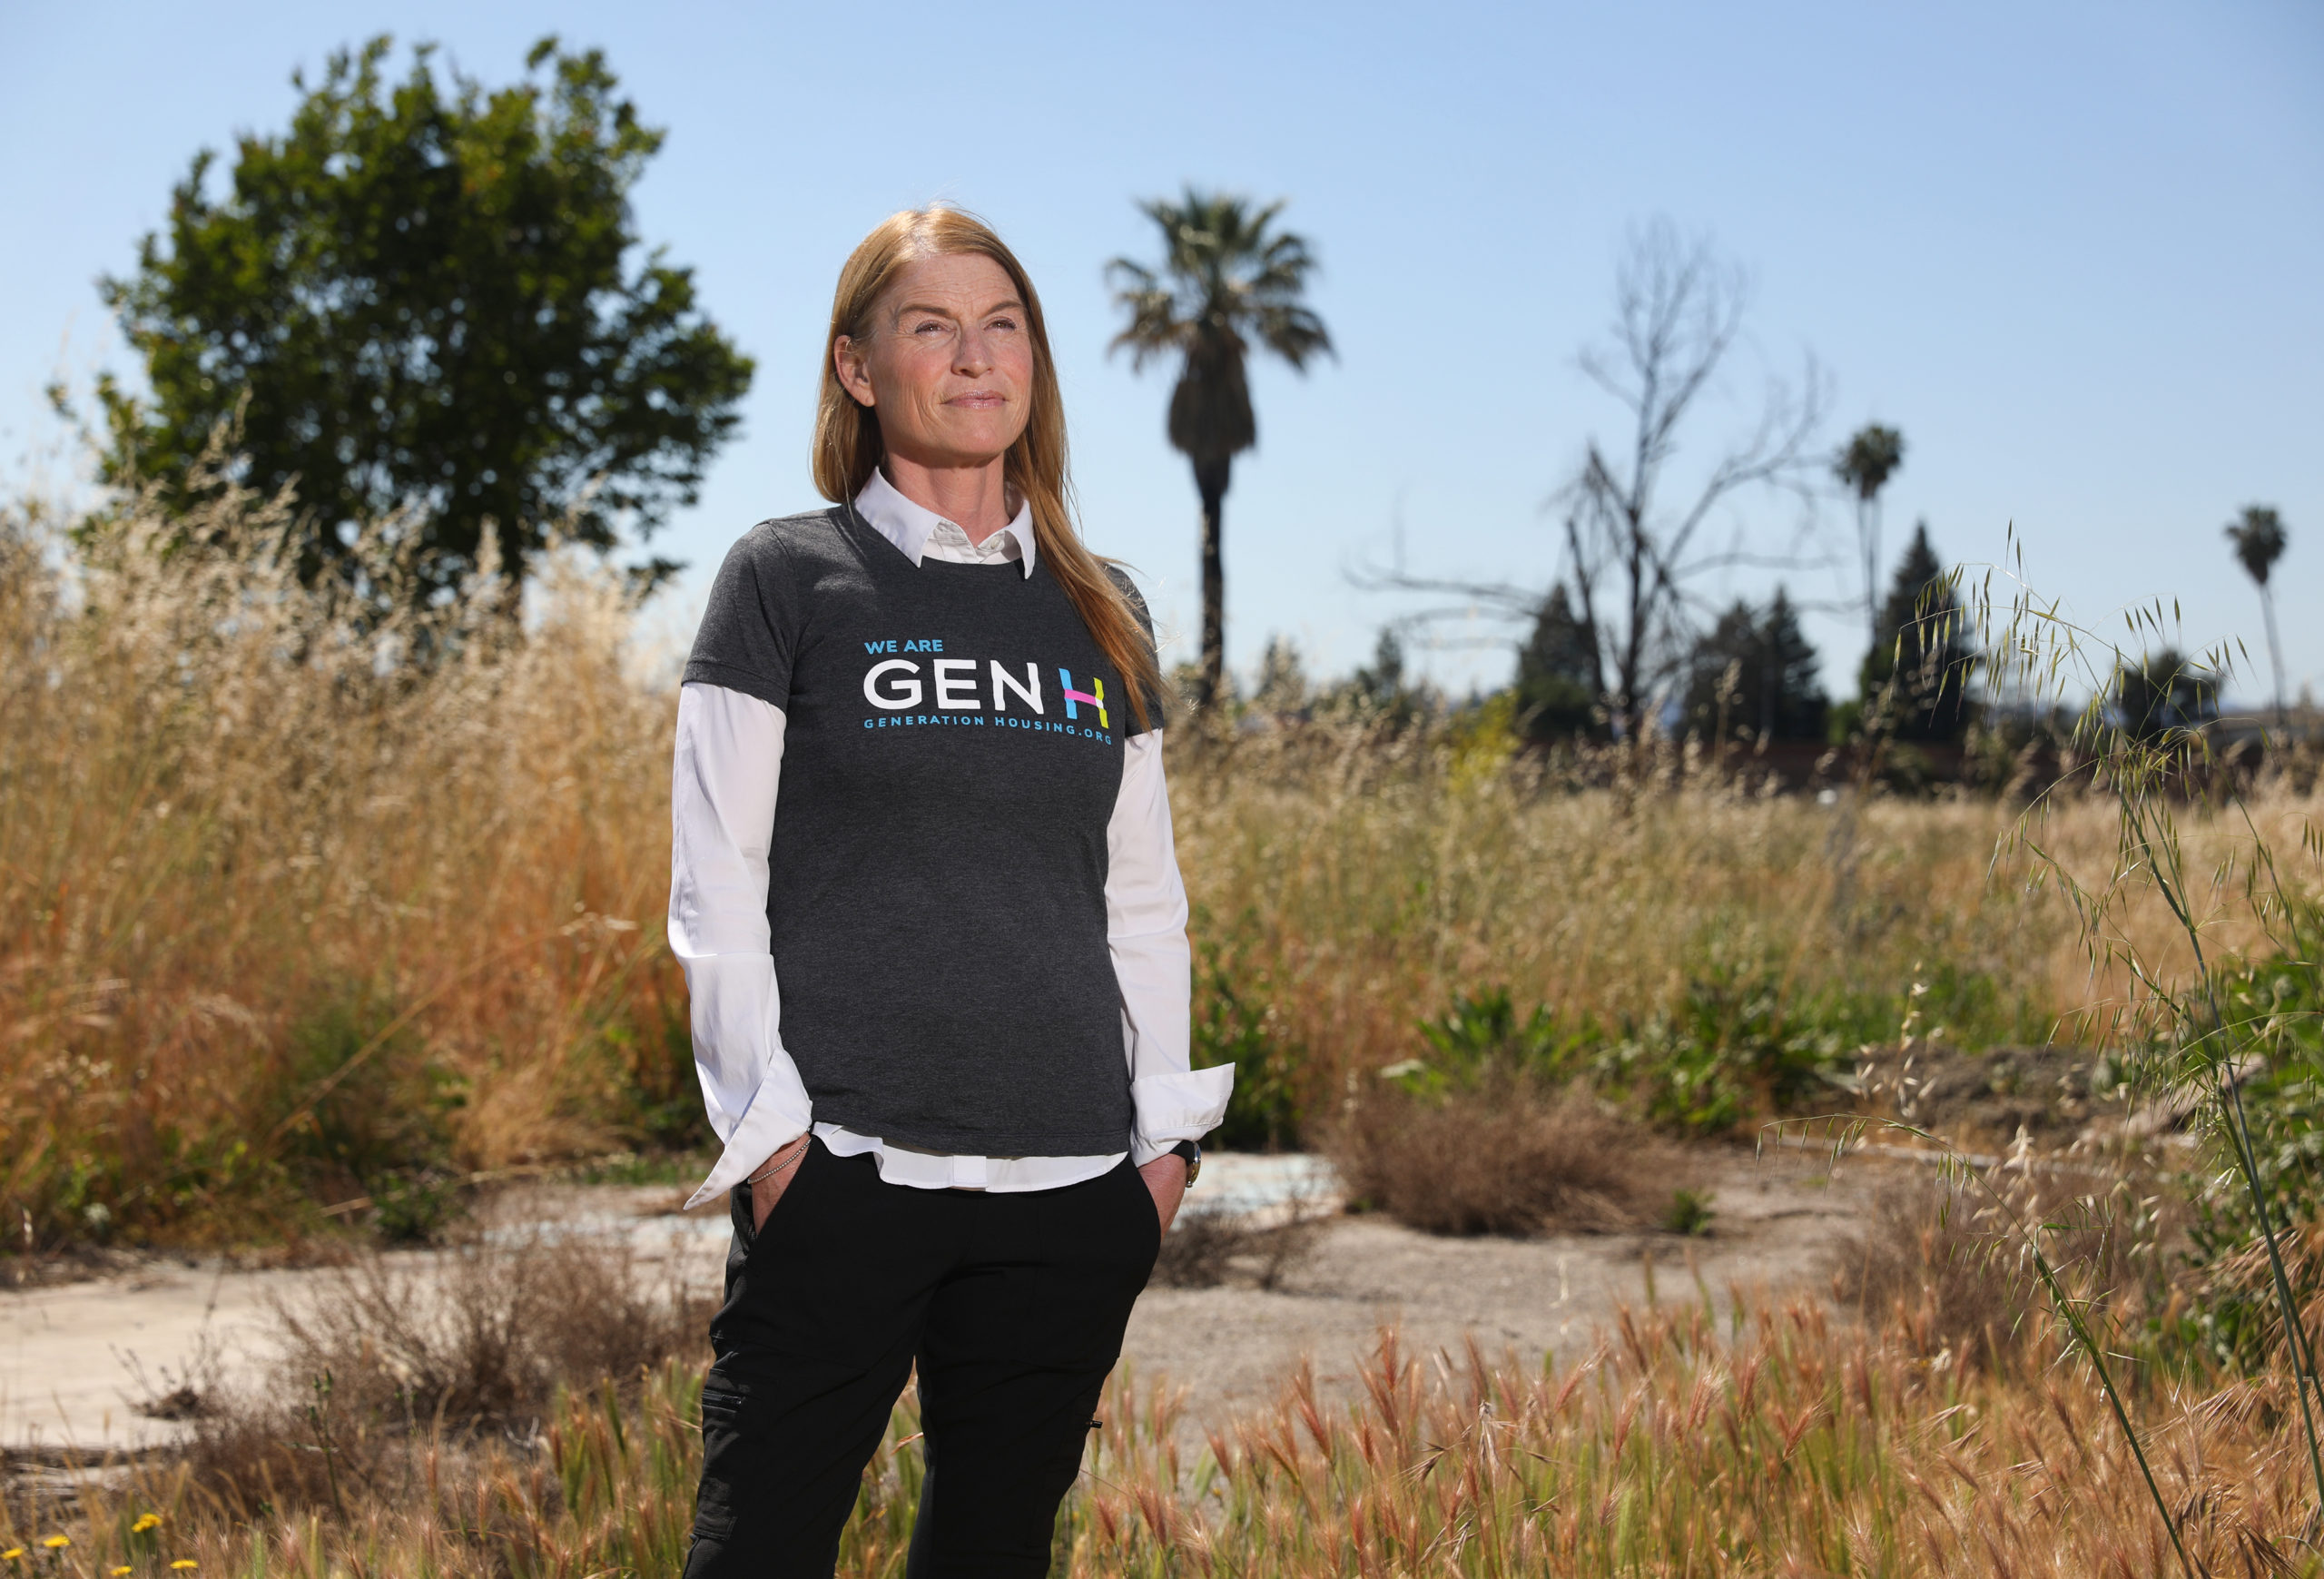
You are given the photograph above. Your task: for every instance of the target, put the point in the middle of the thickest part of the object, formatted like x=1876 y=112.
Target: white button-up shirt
x=728 y=768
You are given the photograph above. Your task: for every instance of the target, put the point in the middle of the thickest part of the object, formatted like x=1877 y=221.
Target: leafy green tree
x=1561 y=677
x=1870 y=458
x=2259 y=541
x=2165 y=693
x=1228 y=281
x=419 y=306
x=1758 y=672
x=1922 y=625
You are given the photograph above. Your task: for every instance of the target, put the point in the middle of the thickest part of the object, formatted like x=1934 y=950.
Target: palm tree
x=1870 y=459
x=2259 y=537
x=1227 y=281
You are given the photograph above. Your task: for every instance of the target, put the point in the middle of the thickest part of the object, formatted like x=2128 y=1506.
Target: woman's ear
x=855 y=377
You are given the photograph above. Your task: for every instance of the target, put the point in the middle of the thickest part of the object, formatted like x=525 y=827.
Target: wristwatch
x=1193 y=1154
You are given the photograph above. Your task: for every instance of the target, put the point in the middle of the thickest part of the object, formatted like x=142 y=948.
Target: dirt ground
x=77 y=1360
x=1777 y=1220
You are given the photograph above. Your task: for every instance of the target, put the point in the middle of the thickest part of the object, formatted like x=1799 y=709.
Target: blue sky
x=2076 y=252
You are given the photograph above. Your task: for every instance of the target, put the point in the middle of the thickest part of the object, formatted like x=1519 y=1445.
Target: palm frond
x=1294 y=333
x=1227 y=280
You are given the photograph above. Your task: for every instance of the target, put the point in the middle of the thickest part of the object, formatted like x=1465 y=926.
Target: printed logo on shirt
x=1065 y=680
x=967 y=693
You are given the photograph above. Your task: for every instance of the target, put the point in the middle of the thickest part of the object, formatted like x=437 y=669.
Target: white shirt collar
x=909 y=526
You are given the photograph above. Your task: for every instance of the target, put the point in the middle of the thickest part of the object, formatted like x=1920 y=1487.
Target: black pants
x=1013 y=1308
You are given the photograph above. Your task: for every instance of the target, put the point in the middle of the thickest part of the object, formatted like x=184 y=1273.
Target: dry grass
x=1367 y=881
x=1509 y=1159
x=287 y=922
x=1782 y=1447
x=472 y=1344
x=1780 y=1444
x=1945 y=1261
x=1371 y=882
x=281 y=918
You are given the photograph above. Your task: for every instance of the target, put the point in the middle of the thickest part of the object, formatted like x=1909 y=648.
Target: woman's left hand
x=1166 y=1176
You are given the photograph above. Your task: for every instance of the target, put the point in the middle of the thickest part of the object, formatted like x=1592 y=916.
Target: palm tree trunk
x=1868 y=543
x=2275 y=656
x=1210 y=480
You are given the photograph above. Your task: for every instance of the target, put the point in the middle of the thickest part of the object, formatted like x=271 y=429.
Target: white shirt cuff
x=1171 y=1108
x=766 y=1125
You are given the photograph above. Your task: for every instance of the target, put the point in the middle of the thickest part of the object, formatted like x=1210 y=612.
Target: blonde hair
x=848 y=446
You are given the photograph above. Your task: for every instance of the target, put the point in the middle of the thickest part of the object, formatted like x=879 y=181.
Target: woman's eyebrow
x=1008 y=304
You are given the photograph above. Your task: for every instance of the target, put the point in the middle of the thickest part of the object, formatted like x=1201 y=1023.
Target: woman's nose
x=970 y=355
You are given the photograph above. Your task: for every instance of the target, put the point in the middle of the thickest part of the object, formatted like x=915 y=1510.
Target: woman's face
x=947 y=365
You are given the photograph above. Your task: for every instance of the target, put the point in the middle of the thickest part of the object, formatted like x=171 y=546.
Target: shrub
x=1729 y=1050
x=1237 y=1021
x=1511 y=1155
x=2270 y=1045
x=1737 y=1046
x=481 y=1337
x=1480 y=1038
x=1208 y=1245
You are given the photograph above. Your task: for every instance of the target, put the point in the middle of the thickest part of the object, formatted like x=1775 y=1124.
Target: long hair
x=848 y=446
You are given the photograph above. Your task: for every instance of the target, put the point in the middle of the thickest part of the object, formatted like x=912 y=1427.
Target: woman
x=940 y=982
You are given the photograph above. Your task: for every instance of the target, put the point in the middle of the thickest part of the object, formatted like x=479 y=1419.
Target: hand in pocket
x=1165 y=1177
x=770 y=1179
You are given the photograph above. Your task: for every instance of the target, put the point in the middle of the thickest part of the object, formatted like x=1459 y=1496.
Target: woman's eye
x=1004 y=326
x=928 y=329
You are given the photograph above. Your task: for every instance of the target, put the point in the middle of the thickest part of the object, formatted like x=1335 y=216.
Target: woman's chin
x=961 y=448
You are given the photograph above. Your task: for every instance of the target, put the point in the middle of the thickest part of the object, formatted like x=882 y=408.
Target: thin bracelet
x=766 y=1173
x=768 y=1170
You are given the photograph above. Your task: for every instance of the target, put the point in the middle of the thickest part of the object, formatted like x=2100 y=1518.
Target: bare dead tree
x=1635 y=535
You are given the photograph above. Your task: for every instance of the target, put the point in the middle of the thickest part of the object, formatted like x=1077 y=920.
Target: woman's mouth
x=980 y=400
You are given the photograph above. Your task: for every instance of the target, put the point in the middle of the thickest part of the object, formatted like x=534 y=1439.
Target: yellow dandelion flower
x=182 y=1563
x=145 y=1523
x=13 y=1555
x=117 y=1573
x=57 y=1543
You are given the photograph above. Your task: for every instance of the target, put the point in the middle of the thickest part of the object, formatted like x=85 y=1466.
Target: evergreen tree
x=1379 y=690
x=1921 y=623
x=1282 y=685
x=1560 y=680
x=1760 y=672
x=1382 y=681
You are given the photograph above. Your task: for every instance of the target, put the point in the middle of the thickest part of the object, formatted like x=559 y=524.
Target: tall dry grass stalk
x=283 y=907
x=2244 y=881
x=1780 y=1444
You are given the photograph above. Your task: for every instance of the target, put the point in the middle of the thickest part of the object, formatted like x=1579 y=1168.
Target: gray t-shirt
x=937 y=871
